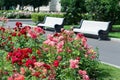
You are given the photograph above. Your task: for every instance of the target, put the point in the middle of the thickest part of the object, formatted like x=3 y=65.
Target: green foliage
x=108 y=72
x=39 y=17
x=64 y=4
x=9 y=4
x=115 y=33
x=1 y=2
x=38 y=3
x=5 y=66
x=105 y=10
x=74 y=11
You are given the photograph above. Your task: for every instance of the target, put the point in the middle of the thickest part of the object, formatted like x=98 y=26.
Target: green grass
x=115 y=33
x=107 y=72
x=116 y=28
x=68 y=27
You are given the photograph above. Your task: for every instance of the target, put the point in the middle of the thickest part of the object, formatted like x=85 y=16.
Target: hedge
x=39 y=17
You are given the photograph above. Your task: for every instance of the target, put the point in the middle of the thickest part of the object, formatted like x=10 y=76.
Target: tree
x=38 y=3
x=8 y=4
x=35 y=3
x=1 y=4
x=92 y=7
x=105 y=10
x=65 y=4
x=74 y=11
x=22 y=3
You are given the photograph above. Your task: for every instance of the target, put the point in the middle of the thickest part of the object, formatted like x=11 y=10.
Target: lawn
x=115 y=31
x=107 y=72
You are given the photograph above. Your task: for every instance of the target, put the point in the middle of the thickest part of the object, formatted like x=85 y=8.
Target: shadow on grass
x=107 y=72
x=102 y=74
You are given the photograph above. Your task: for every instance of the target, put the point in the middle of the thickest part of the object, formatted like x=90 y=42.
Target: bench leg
x=58 y=28
x=103 y=35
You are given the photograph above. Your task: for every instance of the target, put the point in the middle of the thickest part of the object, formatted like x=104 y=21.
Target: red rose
x=18 y=24
x=14 y=34
x=36 y=74
x=47 y=66
x=56 y=63
x=30 y=62
x=2 y=29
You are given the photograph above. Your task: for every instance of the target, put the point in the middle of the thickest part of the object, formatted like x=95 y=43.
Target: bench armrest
x=58 y=27
x=103 y=34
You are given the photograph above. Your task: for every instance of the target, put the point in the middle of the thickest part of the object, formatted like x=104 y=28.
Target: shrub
x=39 y=17
x=60 y=56
x=74 y=11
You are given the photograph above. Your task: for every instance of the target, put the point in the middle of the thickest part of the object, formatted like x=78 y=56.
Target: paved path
x=109 y=51
x=11 y=22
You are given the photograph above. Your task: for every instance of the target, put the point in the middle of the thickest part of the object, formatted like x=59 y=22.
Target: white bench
x=99 y=28
x=52 y=22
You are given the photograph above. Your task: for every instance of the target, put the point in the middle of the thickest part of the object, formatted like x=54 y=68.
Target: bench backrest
x=53 y=21
x=94 y=25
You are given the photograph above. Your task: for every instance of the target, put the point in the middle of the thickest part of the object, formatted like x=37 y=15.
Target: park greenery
x=46 y=59
x=103 y=10
x=75 y=10
x=26 y=54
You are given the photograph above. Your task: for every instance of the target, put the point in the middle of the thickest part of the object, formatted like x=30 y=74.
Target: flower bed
x=28 y=55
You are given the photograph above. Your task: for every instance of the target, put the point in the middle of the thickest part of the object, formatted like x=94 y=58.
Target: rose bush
x=27 y=54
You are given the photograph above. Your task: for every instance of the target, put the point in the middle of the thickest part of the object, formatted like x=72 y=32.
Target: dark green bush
x=39 y=17
x=104 y=10
x=74 y=11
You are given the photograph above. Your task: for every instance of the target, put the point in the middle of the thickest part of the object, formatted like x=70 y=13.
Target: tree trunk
x=38 y=9
x=34 y=9
x=7 y=7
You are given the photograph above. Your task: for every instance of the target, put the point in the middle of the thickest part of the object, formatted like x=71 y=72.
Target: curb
x=20 y=19
x=115 y=39
x=110 y=64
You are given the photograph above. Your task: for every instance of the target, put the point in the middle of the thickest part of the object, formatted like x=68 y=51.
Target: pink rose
x=74 y=63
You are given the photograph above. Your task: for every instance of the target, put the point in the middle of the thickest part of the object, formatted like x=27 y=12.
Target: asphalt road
x=11 y=22
x=109 y=51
